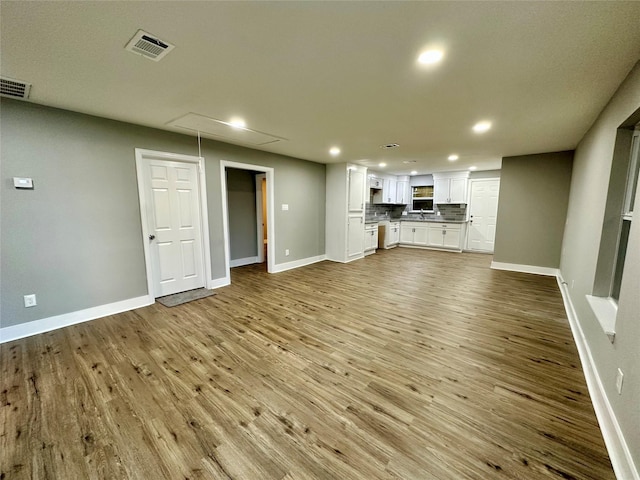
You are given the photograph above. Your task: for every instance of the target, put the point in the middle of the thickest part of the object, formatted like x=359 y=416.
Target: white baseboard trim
x=218 y=282
x=239 y=262
x=15 y=332
x=619 y=452
x=514 y=267
x=281 y=267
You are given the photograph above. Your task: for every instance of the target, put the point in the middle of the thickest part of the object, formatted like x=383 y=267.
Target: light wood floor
x=408 y=364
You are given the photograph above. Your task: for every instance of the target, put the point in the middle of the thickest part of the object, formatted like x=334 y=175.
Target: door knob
x=152 y=237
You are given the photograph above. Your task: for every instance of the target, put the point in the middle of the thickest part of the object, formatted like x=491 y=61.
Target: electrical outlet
x=30 y=300
x=619 y=378
x=285 y=206
x=286 y=252
x=572 y=284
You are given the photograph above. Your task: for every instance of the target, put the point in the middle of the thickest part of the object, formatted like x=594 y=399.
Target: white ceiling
x=320 y=74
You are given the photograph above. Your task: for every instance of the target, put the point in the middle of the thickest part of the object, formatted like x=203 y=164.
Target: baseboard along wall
x=619 y=452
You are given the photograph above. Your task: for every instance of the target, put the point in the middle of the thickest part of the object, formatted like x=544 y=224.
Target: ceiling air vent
x=148 y=46
x=14 y=88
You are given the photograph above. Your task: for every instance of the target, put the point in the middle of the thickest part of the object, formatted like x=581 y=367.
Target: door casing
x=269 y=172
x=141 y=156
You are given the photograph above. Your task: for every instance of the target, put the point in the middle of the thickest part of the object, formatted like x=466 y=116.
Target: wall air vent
x=148 y=46
x=14 y=88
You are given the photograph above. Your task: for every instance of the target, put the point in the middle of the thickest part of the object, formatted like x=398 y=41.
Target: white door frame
x=471 y=182
x=141 y=156
x=224 y=164
x=260 y=220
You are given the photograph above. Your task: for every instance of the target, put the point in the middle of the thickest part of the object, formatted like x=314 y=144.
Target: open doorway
x=247 y=207
x=261 y=216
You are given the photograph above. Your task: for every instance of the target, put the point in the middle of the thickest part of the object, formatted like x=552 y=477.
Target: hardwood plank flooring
x=409 y=364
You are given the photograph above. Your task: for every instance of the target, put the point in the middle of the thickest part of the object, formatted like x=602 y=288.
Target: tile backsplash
x=454 y=212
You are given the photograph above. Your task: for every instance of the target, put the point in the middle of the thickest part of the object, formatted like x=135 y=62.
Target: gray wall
x=532 y=208
x=76 y=239
x=243 y=230
x=586 y=213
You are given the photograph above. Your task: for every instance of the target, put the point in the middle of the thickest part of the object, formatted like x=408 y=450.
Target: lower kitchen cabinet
x=414 y=233
x=432 y=234
x=370 y=238
x=389 y=234
x=445 y=236
x=355 y=237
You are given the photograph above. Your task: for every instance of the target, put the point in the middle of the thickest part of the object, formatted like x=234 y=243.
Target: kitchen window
x=422 y=198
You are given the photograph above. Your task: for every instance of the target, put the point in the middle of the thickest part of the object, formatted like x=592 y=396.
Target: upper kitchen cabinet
x=375 y=182
x=346 y=187
x=403 y=190
x=357 y=189
x=389 y=190
x=450 y=187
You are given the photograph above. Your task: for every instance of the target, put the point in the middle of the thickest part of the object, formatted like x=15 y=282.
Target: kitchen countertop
x=432 y=220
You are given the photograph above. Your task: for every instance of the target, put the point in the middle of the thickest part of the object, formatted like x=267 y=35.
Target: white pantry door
x=174 y=226
x=483 y=213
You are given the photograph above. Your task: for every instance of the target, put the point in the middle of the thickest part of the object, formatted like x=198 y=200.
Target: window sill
x=605 y=309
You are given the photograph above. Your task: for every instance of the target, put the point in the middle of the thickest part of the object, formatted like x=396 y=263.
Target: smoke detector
x=14 y=88
x=148 y=46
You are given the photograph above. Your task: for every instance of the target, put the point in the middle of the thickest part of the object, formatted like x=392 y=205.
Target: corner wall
x=589 y=187
x=532 y=207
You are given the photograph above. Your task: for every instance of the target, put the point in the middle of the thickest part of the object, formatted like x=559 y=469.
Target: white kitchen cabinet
x=403 y=191
x=346 y=187
x=355 y=237
x=389 y=190
x=445 y=235
x=394 y=234
x=414 y=233
x=375 y=182
x=390 y=232
x=370 y=238
x=450 y=187
x=356 y=189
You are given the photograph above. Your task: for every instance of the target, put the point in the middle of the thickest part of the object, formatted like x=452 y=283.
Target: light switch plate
x=285 y=206
x=21 y=182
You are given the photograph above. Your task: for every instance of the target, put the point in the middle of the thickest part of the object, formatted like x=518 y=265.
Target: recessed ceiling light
x=481 y=127
x=237 y=123
x=453 y=157
x=430 y=57
x=382 y=164
x=414 y=172
x=473 y=168
x=334 y=151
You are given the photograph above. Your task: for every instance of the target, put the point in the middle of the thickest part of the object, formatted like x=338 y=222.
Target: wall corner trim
x=514 y=267
x=619 y=453
x=281 y=267
x=15 y=332
x=218 y=282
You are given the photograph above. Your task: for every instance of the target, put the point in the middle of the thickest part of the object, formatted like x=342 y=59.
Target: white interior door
x=174 y=225
x=483 y=213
